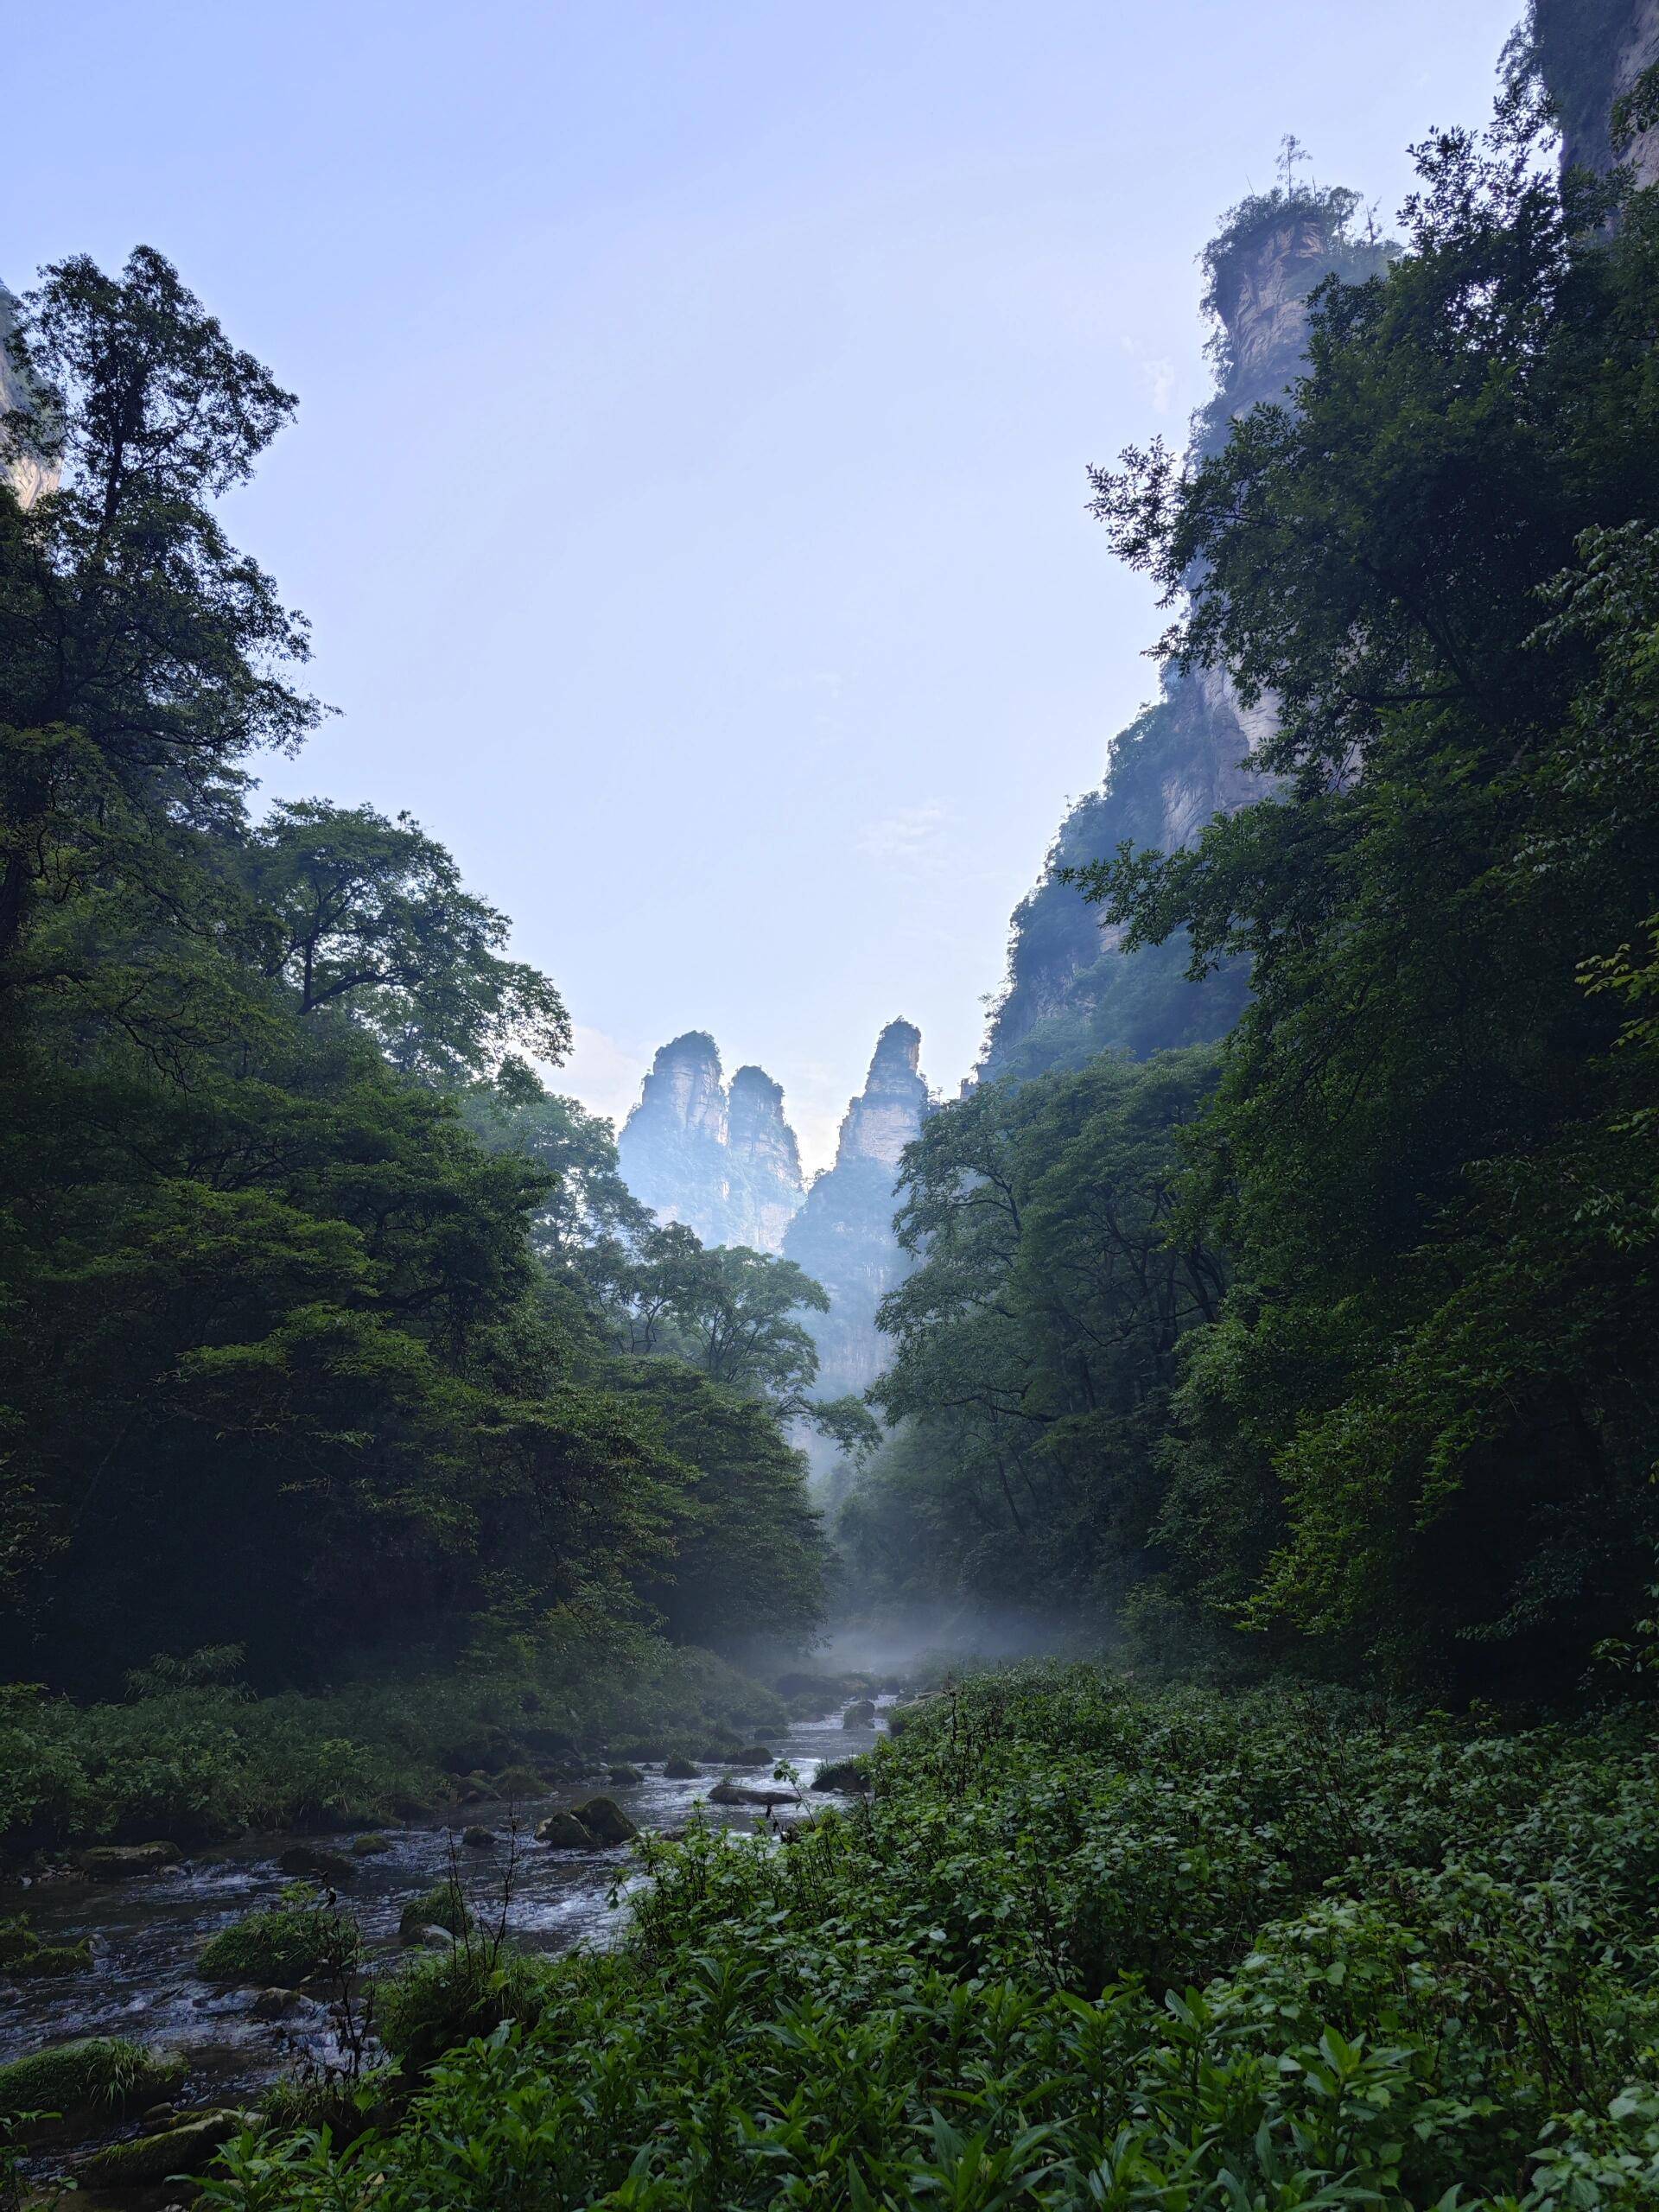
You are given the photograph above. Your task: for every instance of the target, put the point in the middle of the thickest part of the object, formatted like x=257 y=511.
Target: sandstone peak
x=29 y=474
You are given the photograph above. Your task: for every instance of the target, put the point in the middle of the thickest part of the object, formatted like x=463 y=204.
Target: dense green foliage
x=1087 y=1947
x=196 y=1758
x=1419 y=1428
x=311 y=1316
x=1036 y=1349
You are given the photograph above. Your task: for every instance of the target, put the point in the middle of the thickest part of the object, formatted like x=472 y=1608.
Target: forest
x=1279 y=1322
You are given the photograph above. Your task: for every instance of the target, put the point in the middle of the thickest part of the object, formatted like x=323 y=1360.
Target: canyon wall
x=1071 y=991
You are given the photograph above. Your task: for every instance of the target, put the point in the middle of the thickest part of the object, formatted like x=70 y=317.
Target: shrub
x=299 y=1940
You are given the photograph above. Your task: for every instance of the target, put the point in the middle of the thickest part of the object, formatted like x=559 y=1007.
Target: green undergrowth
x=197 y=1761
x=304 y=1937
x=1083 y=1946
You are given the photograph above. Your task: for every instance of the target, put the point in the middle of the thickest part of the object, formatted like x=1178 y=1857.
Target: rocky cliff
x=1590 y=55
x=724 y=1162
x=844 y=1234
x=1071 y=991
x=28 y=474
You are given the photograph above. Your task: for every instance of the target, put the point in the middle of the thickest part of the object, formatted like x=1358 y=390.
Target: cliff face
x=27 y=473
x=1589 y=54
x=724 y=1163
x=1071 y=991
x=844 y=1234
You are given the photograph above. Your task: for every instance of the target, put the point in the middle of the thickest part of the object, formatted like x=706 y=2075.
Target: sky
x=687 y=492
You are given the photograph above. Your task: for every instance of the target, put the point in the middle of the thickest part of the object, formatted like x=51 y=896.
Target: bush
x=100 y=2078
x=301 y=1939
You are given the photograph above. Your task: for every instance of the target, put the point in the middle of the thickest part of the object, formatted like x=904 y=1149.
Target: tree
x=142 y=656
x=1431 y=1399
x=369 y=917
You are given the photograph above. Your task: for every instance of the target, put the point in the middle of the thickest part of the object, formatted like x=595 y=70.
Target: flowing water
x=147 y=1933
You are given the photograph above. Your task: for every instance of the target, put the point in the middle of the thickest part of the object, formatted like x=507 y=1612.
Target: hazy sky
x=687 y=487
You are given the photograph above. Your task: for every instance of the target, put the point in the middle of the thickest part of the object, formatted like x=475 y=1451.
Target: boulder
x=369 y=1847
x=753 y=1755
x=860 y=1713
x=309 y=1862
x=679 y=1770
x=121 y=1862
x=736 y=1793
x=24 y=1957
x=97 y=2079
x=519 y=1781
x=188 y=2146
x=477 y=1838
x=564 y=1832
x=606 y=1822
x=625 y=1777
x=840 y=1774
x=442 y=1907
x=275 y=2004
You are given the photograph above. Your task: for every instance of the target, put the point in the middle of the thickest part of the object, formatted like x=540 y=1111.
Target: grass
x=1082 y=1947
x=298 y=1941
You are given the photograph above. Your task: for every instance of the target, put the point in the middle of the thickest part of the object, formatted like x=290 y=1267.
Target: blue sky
x=687 y=487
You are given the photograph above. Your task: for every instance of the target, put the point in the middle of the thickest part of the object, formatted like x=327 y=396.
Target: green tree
x=1431 y=1399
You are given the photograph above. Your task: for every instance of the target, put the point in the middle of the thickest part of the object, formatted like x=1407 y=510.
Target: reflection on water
x=147 y=1934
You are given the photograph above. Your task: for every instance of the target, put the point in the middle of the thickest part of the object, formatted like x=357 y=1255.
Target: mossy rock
x=189 y=2148
x=443 y=1907
x=606 y=1822
x=840 y=1774
x=370 y=1847
x=739 y=1792
x=564 y=1832
x=281 y=1948
x=24 y=1957
x=679 y=1770
x=477 y=1838
x=520 y=1782
x=753 y=1755
x=625 y=1777
x=310 y=1862
x=125 y=1862
x=97 y=2078
x=860 y=1713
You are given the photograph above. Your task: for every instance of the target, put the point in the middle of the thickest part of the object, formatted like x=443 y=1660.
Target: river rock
x=564 y=1832
x=121 y=1862
x=477 y=1838
x=520 y=1782
x=72 y=2085
x=753 y=1755
x=678 y=1769
x=309 y=1862
x=623 y=1777
x=738 y=1793
x=275 y=2004
x=860 y=1713
x=840 y=1774
x=370 y=1847
x=188 y=2147
x=606 y=1822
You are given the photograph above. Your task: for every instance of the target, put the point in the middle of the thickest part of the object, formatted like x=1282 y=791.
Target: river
x=147 y=1933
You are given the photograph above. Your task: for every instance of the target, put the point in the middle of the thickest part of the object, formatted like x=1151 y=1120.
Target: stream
x=147 y=1933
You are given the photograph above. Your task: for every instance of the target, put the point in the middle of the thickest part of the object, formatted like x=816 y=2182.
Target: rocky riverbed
x=147 y=1931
